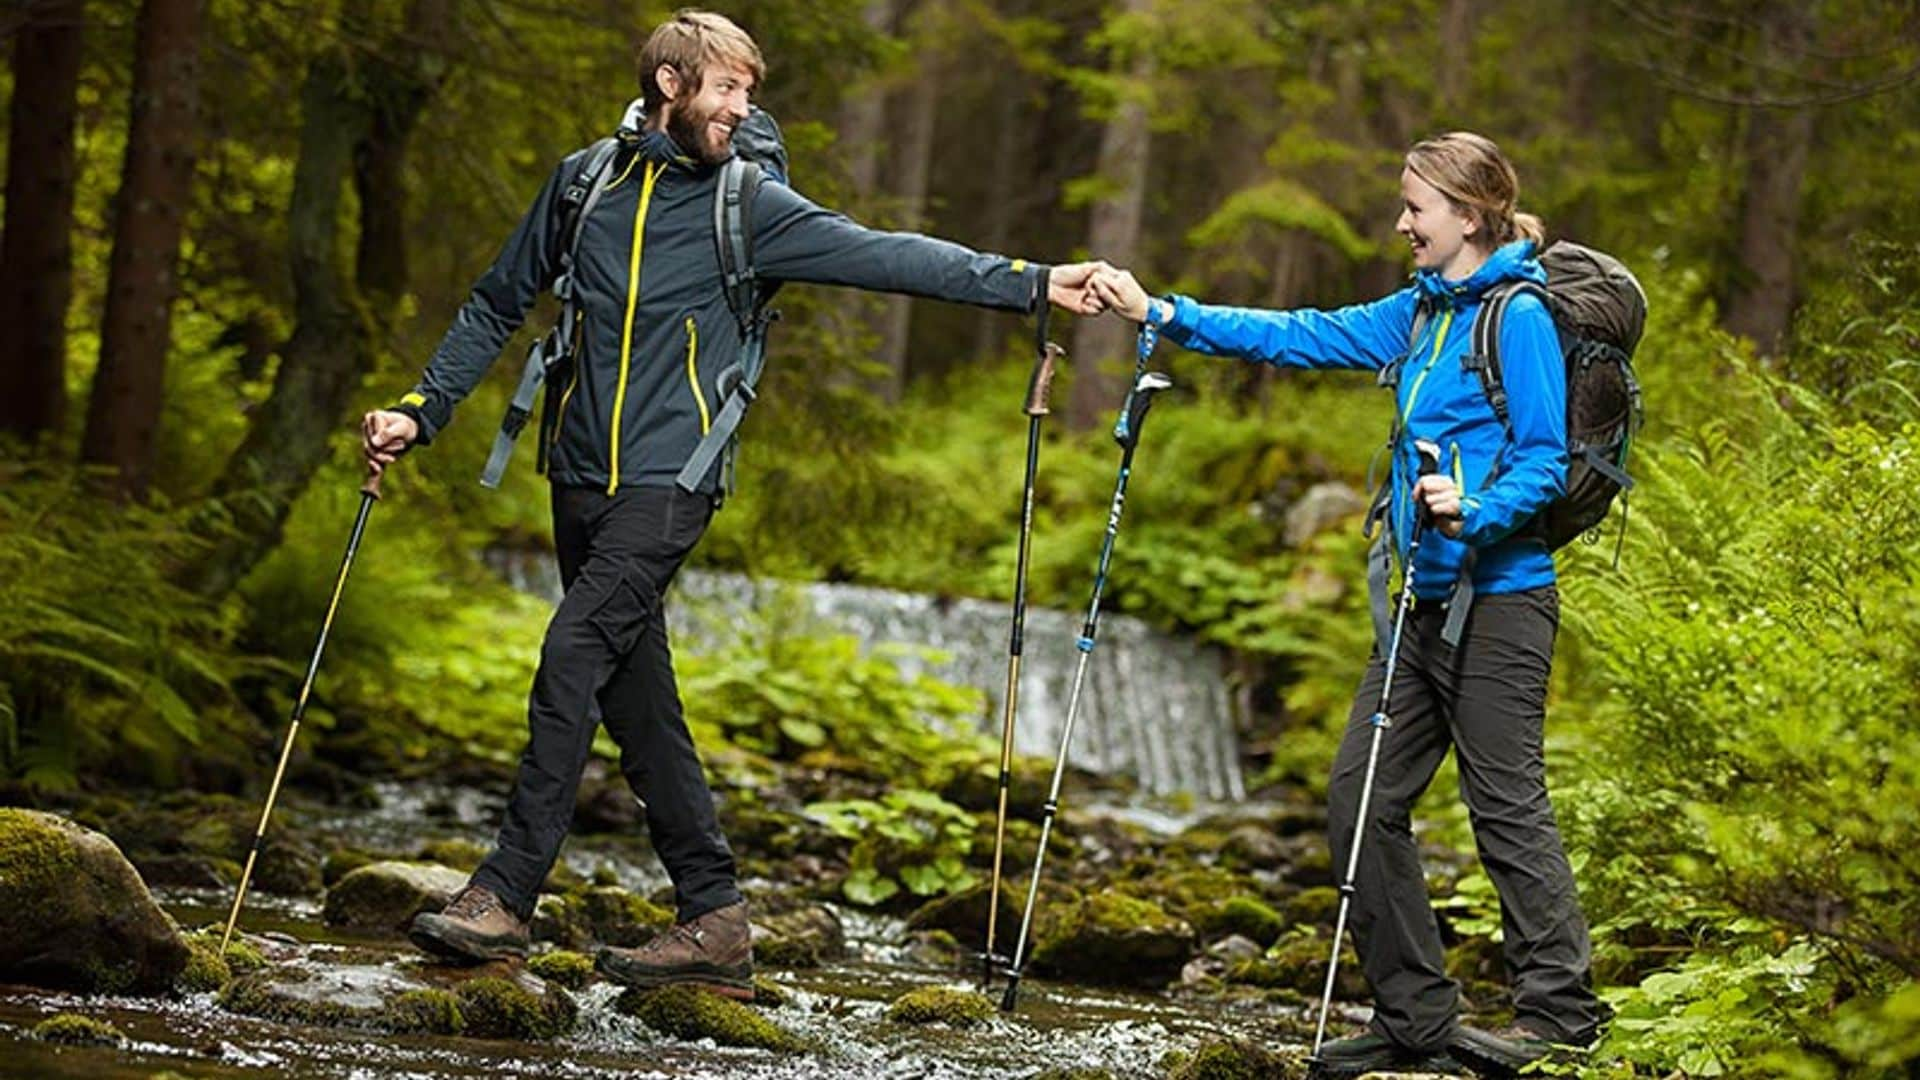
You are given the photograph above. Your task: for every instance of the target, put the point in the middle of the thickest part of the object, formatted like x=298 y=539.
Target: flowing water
x=839 y=1008
x=1154 y=708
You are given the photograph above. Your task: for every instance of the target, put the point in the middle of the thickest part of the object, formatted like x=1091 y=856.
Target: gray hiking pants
x=1487 y=698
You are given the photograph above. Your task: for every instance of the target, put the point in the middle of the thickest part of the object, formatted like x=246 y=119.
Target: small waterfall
x=1154 y=708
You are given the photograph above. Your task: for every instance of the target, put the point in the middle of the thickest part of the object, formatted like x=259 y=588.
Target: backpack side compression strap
x=733 y=234
x=581 y=195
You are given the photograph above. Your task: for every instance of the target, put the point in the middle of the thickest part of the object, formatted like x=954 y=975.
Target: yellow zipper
x=693 y=374
x=626 y=330
x=1439 y=339
x=560 y=414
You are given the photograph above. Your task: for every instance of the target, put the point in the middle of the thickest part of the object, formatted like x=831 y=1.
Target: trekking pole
x=1046 y=354
x=1127 y=431
x=1429 y=463
x=369 y=494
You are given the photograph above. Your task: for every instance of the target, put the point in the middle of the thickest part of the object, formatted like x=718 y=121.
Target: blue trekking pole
x=1380 y=720
x=1126 y=431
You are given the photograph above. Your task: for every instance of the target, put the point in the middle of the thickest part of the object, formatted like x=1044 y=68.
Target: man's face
x=702 y=121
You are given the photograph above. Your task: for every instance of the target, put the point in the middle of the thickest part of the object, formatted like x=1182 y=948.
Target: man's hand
x=384 y=436
x=1442 y=499
x=1119 y=292
x=1069 y=286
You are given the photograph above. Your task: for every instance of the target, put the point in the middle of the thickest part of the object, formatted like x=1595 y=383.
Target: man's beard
x=688 y=130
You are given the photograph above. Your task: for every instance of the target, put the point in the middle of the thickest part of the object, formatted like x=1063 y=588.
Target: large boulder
x=1113 y=938
x=74 y=915
x=385 y=896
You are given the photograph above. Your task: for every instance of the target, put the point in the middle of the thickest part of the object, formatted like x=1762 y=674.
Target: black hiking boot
x=1506 y=1051
x=476 y=926
x=1368 y=1052
x=714 y=951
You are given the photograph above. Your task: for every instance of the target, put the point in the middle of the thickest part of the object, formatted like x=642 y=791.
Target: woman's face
x=1440 y=235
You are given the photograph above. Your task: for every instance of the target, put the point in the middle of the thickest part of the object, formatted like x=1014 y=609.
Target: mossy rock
x=1298 y=963
x=685 y=1012
x=205 y=970
x=1241 y=915
x=343 y=861
x=1075 y=1072
x=285 y=997
x=1114 y=938
x=458 y=853
x=805 y=937
x=385 y=896
x=288 y=866
x=75 y=916
x=1253 y=847
x=1185 y=890
x=497 y=1008
x=1317 y=906
x=425 y=1012
x=563 y=967
x=770 y=994
x=1235 y=1060
x=597 y=915
x=72 y=1029
x=941 y=1005
x=964 y=914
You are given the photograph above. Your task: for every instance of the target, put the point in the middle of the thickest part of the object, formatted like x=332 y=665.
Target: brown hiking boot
x=714 y=951
x=475 y=926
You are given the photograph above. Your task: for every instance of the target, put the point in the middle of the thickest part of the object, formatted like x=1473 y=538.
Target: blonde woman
x=1479 y=686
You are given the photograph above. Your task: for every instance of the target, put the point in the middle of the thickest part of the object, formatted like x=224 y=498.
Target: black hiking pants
x=1487 y=699
x=606 y=659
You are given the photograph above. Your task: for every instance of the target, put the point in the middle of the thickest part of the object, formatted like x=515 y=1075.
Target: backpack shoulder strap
x=1483 y=355
x=733 y=199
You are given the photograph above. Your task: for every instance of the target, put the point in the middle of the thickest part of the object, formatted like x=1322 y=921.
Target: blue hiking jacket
x=1503 y=481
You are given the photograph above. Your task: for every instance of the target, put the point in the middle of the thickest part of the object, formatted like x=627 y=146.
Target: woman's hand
x=1122 y=294
x=1442 y=501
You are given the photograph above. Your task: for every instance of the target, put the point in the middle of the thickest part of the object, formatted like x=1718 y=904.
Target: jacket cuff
x=1184 y=310
x=412 y=405
x=1037 y=291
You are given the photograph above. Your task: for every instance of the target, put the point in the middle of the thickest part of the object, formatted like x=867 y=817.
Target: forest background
x=232 y=226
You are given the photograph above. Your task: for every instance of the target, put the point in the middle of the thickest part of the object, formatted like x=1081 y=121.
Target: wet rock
x=683 y=1012
x=74 y=915
x=457 y=852
x=340 y=997
x=187 y=871
x=1308 y=863
x=1075 y=1072
x=1298 y=963
x=563 y=967
x=586 y=918
x=941 y=1005
x=385 y=896
x=964 y=914
x=288 y=866
x=934 y=949
x=72 y=1029
x=1253 y=847
x=1317 y=906
x=1324 y=506
x=343 y=861
x=1242 y=915
x=606 y=803
x=1110 y=937
x=1219 y=957
x=1232 y=1059
x=501 y=1008
x=803 y=937
x=425 y=1012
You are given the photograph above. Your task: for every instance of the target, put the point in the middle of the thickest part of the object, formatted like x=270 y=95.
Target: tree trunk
x=1456 y=54
x=346 y=106
x=1778 y=144
x=36 y=254
x=1102 y=348
x=913 y=168
x=123 y=414
x=402 y=80
x=990 y=329
x=863 y=115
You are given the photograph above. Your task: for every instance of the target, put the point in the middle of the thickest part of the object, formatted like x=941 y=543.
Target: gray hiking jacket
x=656 y=331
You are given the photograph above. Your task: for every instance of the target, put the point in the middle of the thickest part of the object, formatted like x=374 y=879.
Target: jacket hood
x=1509 y=262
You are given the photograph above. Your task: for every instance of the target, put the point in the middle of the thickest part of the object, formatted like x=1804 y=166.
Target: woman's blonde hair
x=689 y=43
x=1479 y=180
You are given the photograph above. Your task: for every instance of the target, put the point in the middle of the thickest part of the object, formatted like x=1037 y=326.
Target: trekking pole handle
x=1041 y=385
x=371 y=486
x=1429 y=453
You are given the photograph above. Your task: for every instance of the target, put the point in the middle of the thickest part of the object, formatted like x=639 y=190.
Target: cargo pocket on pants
x=620 y=617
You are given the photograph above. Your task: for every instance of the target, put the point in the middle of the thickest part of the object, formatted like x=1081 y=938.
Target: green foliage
x=104 y=661
x=1732 y=1015
x=908 y=837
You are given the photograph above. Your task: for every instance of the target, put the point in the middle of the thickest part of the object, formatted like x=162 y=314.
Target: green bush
x=910 y=837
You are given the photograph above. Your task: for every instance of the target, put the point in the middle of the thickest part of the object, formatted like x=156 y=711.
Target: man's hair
x=690 y=42
x=1479 y=180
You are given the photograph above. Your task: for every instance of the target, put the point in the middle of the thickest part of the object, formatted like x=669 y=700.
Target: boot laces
x=472 y=903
